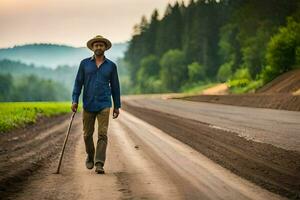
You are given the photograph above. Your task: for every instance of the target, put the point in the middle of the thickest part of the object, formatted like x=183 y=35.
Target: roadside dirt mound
x=25 y=150
x=282 y=93
x=260 y=100
x=286 y=83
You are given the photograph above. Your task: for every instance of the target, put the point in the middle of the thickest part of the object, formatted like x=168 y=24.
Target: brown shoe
x=99 y=169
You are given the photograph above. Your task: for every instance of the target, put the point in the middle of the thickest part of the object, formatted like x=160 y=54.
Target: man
x=99 y=78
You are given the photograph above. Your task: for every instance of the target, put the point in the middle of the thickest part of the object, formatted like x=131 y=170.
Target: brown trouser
x=88 y=130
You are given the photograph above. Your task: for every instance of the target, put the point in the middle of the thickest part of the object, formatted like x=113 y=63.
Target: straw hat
x=98 y=38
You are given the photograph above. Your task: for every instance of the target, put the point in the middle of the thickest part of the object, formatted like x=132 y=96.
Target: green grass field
x=18 y=114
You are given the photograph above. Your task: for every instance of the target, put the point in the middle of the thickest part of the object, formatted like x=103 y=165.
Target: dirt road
x=143 y=162
x=277 y=127
x=260 y=145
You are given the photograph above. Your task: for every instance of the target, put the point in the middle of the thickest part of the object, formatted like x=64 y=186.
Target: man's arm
x=77 y=87
x=115 y=91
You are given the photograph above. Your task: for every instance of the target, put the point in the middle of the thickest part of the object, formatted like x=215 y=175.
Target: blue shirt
x=99 y=84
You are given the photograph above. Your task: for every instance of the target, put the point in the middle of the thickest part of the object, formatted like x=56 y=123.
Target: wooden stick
x=64 y=145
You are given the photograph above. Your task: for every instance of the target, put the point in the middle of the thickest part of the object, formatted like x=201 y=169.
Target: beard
x=98 y=52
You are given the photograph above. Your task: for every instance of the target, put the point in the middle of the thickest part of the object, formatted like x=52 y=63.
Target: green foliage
x=229 y=48
x=14 y=114
x=196 y=72
x=31 y=88
x=149 y=66
x=64 y=75
x=225 y=72
x=250 y=86
x=241 y=78
x=148 y=75
x=173 y=71
x=222 y=36
x=254 y=50
x=126 y=86
x=241 y=82
x=152 y=85
x=283 y=51
x=242 y=74
x=169 y=31
x=6 y=87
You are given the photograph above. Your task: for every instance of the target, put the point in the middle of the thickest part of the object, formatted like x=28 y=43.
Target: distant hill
x=53 y=55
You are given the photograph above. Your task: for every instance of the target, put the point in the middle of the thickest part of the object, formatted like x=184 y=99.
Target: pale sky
x=72 y=22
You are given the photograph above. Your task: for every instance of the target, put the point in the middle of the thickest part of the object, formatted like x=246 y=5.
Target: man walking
x=99 y=77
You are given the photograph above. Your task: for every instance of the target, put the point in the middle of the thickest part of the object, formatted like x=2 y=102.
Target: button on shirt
x=99 y=84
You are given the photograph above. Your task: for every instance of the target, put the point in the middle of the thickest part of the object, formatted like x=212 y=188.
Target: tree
x=254 y=51
x=283 y=51
x=6 y=87
x=224 y=72
x=173 y=71
x=148 y=74
x=229 y=47
x=150 y=66
x=196 y=72
x=170 y=30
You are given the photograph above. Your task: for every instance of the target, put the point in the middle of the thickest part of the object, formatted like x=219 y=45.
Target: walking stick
x=64 y=145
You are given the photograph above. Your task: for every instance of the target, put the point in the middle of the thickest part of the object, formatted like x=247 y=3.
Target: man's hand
x=115 y=113
x=74 y=107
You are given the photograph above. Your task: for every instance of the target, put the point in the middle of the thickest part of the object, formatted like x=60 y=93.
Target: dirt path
x=218 y=89
x=142 y=163
x=129 y=174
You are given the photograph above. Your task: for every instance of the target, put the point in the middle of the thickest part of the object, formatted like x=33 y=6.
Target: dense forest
x=63 y=74
x=31 y=88
x=245 y=43
x=22 y=82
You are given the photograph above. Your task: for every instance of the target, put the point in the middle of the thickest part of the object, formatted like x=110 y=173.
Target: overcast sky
x=72 y=22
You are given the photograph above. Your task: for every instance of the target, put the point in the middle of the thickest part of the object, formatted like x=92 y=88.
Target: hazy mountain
x=53 y=55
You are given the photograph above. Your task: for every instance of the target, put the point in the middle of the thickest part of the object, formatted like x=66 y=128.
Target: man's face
x=99 y=48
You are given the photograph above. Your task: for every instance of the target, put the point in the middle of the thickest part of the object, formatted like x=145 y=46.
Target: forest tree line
x=22 y=82
x=31 y=88
x=245 y=43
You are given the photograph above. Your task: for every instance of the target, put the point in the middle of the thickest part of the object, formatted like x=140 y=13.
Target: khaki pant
x=88 y=130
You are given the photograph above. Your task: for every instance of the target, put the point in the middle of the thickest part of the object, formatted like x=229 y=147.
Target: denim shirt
x=99 y=84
